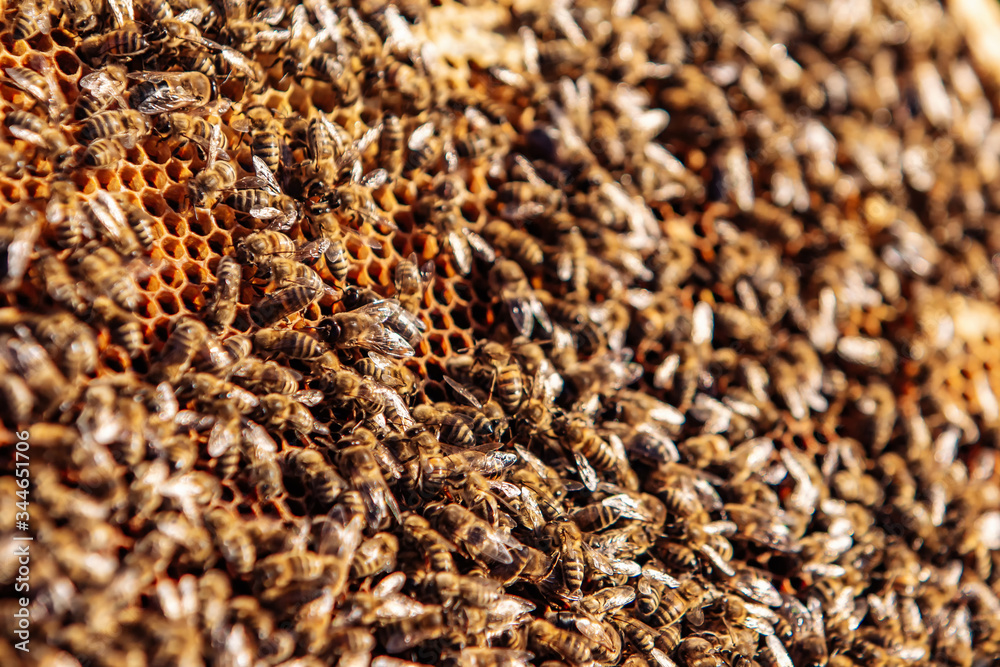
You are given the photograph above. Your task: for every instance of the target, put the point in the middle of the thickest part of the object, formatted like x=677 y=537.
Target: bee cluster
x=482 y=334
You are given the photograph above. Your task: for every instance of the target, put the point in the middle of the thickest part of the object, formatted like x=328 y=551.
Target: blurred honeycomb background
x=495 y=333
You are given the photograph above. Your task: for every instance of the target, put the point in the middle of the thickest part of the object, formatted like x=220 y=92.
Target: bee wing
x=418 y=139
x=520 y=315
x=375 y=179
x=207 y=146
x=263 y=172
x=494 y=549
x=595 y=632
x=480 y=246
x=382 y=361
x=658 y=575
x=460 y=252
x=192 y=15
x=215 y=142
x=598 y=561
x=312 y=250
x=587 y=473
x=223 y=436
x=249 y=183
x=110 y=215
x=310 y=397
x=402 y=417
x=123 y=12
x=529 y=171
x=258 y=438
x=467 y=395
x=629 y=507
x=325 y=15
x=616 y=598
x=538 y=310
x=385 y=341
x=341 y=537
x=22 y=79
x=411 y=319
x=380 y=310
x=368 y=138
x=241 y=124
x=28 y=136
x=163 y=100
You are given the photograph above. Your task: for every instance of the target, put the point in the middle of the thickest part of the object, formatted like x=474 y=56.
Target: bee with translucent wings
x=354 y=198
x=40 y=82
x=263 y=199
x=364 y=328
x=507 y=279
x=160 y=92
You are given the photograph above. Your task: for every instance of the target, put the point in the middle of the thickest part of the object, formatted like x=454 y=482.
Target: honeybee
x=516 y=244
x=40 y=84
x=376 y=554
x=329 y=567
x=375 y=401
x=262 y=198
x=186 y=339
x=455 y=428
x=291 y=343
x=320 y=478
x=102 y=86
x=364 y=328
x=31 y=19
x=449 y=588
x=220 y=307
x=283 y=303
x=266 y=377
x=410 y=282
x=391 y=145
x=588 y=449
x=126 y=329
x=402 y=321
x=265 y=135
x=476 y=537
x=528 y=199
x=184 y=128
x=698 y=652
x=436 y=549
x=420 y=150
x=12 y=162
x=145 y=227
x=507 y=280
x=258 y=248
x=288 y=412
x=72 y=345
x=235 y=545
x=104 y=154
x=545 y=637
x=162 y=92
x=126 y=125
x=676 y=603
x=109 y=218
x=102 y=268
x=603 y=514
x=403 y=89
x=359 y=466
x=387 y=372
x=123 y=42
x=64 y=215
x=30 y=128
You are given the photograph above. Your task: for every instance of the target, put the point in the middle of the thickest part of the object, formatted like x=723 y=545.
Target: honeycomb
x=706 y=368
